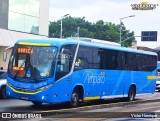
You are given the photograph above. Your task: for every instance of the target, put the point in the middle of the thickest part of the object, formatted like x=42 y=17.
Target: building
x=149 y=39
x=22 y=19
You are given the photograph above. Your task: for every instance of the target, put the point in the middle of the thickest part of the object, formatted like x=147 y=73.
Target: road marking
x=142 y=109
x=100 y=105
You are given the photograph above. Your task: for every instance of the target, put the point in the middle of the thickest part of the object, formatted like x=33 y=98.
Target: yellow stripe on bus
x=23 y=92
x=35 y=44
x=92 y=98
x=151 y=77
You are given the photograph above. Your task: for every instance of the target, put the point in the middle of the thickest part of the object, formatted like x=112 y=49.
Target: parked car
x=158 y=81
x=3 y=81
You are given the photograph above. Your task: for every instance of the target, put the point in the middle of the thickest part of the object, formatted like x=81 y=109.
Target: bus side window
x=84 y=58
x=97 y=58
x=65 y=60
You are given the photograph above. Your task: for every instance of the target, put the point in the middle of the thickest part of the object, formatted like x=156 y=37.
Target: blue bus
x=74 y=70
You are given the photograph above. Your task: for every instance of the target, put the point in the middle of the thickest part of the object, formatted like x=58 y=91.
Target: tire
x=131 y=93
x=3 y=92
x=75 y=98
x=37 y=103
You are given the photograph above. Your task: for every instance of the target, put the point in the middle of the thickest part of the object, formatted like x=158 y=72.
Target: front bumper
x=45 y=96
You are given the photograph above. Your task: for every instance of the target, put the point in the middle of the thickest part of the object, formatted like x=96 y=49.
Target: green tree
x=100 y=30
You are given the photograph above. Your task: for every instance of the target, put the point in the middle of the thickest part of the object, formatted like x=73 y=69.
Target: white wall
x=8 y=38
x=149 y=44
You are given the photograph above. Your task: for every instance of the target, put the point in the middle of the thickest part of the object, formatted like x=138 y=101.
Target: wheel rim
x=131 y=94
x=74 y=99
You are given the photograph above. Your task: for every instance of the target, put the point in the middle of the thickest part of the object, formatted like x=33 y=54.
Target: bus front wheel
x=36 y=103
x=74 y=99
x=3 y=92
x=131 y=93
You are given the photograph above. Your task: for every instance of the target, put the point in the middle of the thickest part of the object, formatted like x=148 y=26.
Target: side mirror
x=4 y=56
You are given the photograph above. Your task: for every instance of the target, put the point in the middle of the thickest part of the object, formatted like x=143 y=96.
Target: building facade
x=22 y=19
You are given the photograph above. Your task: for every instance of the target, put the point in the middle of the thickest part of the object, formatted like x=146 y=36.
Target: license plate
x=24 y=98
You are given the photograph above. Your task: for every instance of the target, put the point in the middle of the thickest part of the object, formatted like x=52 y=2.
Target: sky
x=111 y=11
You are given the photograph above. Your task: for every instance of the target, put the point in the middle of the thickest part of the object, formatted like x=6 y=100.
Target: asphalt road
x=141 y=112
x=143 y=103
x=14 y=105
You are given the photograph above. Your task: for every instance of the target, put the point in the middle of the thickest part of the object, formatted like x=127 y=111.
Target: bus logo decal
x=93 y=79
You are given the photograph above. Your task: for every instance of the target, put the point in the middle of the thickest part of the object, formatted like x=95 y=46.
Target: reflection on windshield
x=32 y=62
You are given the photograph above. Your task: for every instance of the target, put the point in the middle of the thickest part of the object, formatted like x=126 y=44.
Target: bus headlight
x=44 y=88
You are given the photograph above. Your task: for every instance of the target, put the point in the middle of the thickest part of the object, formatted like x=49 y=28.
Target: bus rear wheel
x=74 y=99
x=131 y=93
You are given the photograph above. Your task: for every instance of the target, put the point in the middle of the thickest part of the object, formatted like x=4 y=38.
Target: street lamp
x=121 y=26
x=61 y=24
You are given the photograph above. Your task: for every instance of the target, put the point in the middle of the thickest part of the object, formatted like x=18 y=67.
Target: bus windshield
x=33 y=62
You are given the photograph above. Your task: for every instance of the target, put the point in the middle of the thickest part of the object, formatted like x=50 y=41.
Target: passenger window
x=84 y=58
x=65 y=60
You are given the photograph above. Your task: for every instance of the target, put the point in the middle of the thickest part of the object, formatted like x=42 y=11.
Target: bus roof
x=83 y=41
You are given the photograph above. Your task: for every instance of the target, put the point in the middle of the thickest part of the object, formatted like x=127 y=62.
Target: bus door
x=64 y=64
x=82 y=68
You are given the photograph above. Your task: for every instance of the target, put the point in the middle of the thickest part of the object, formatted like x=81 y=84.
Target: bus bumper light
x=8 y=92
x=42 y=97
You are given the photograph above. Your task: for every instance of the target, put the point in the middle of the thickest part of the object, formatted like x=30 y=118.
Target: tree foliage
x=100 y=30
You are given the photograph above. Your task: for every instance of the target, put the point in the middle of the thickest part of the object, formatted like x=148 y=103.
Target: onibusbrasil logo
x=144 y=6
